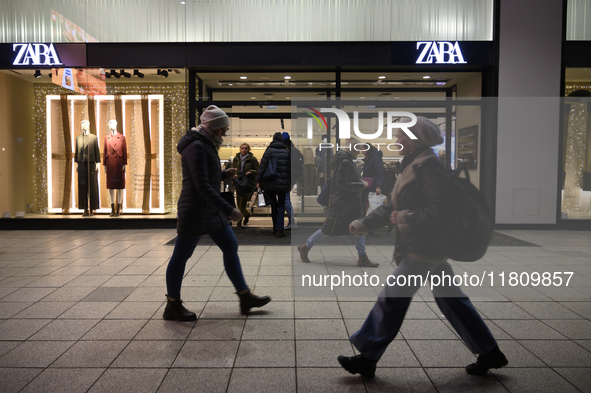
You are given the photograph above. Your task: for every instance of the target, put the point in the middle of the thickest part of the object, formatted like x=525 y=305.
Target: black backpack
x=472 y=224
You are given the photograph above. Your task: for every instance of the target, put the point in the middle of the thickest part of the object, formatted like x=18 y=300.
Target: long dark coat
x=201 y=209
x=345 y=195
x=87 y=152
x=282 y=182
x=114 y=157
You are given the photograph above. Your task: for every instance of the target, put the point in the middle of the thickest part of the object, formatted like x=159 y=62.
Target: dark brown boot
x=175 y=311
x=118 y=212
x=112 y=210
x=304 y=253
x=365 y=262
x=249 y=300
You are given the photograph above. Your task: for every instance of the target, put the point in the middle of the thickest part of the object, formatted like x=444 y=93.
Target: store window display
x=132 y=151
x=87 y=157
x=115 y=160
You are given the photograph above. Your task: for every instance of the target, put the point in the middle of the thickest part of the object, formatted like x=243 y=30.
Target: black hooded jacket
x=201 y=209
x=276 y=150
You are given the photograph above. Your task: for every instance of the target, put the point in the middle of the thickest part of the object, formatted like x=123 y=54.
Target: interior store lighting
x=138 y=73
x=37 y=74
x=115 y=74
x=243 y=77
x=125 y=74
x=381 y=77
x=287 y=77
x=426 y=77
x=162 y=73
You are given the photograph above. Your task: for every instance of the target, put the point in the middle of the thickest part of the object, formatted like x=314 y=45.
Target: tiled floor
x=81 y=311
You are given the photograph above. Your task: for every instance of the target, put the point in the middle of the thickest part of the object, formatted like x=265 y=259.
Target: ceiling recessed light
x=243 y=77
x=381 y=77
x=426 y=77
x=287 y=77
x=288 y=98
x=253 y=98
x=230 y=84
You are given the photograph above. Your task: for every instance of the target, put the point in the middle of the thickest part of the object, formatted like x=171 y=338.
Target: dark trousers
x=183 y=249
x=277 y=209
x=241 y=201
x=384 y=320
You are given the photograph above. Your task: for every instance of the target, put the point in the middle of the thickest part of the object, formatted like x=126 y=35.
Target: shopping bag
x=374 y=201
x=261 y=199
x=254 y=200
x=244 y=185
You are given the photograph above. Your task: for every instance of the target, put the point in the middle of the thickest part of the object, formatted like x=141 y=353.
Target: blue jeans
x=289 y=208
x=316 y=236
x=386 y=317
x=183 y=249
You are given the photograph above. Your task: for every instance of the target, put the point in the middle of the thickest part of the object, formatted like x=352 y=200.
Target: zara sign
x=35 y=55
x=441 y=52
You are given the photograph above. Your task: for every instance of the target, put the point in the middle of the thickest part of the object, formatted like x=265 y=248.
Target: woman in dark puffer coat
x=281 y=184
x=202 y=211
x=344 y=205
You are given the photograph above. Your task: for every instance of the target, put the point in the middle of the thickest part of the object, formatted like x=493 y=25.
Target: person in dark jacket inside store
x=279 y=182
x=373 y=167
x=344 y=205
x=247 y=165
x=422 y=208
x=203 y=211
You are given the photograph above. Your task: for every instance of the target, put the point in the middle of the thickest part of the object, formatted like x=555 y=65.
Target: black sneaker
x=492 y=359
x=359 y=365
x=280 y=233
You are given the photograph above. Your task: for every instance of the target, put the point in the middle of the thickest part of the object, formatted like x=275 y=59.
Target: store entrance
x=263 y=103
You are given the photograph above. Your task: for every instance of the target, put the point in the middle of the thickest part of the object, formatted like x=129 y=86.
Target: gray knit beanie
x=214 y=118
x=427 y=133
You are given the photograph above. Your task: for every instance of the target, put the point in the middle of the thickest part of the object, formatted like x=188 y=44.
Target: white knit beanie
x=427 y=133
x=214 y=118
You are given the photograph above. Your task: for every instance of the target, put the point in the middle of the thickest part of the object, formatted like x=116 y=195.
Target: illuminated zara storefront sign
x=442 y=52
x=35 y=55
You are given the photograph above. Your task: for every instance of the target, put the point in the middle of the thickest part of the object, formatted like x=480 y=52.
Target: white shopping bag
x=374 y=201
x=261 y=199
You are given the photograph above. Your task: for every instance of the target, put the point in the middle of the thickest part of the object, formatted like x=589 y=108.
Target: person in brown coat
x=114 y=160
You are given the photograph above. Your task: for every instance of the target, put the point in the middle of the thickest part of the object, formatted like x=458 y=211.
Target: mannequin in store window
x=115 y=160
x=87 y=157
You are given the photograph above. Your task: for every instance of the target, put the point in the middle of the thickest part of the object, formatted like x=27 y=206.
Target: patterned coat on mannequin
x=114 y=157
x=87 y=151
